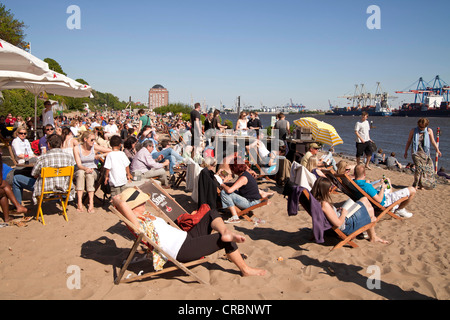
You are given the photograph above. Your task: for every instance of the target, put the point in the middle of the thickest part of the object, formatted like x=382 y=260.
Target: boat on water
x=423 y=110
x=431 y=100
x=374 y=104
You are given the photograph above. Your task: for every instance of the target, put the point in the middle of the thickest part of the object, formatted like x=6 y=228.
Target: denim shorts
x=358 y=220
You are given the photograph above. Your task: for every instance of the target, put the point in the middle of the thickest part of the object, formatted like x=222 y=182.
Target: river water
x=389 y=133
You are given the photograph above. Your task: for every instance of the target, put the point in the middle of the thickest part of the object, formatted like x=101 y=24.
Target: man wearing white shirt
x=362 y=129
x=111 y=129
x=47 y=114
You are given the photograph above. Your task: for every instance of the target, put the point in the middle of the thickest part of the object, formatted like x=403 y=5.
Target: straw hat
x=134 y=197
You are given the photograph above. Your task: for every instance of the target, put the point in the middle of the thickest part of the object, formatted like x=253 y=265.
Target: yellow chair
x=51 y=172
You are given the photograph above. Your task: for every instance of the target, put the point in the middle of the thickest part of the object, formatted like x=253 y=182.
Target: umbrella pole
x=35 y=117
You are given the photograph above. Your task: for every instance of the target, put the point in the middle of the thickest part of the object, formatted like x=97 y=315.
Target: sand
x=38 y=262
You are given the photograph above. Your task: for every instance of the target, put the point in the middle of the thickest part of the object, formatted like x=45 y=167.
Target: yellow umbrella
x=321 y=131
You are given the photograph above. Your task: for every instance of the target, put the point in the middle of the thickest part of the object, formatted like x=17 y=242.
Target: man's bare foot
x=80 y=208
x=21 y=209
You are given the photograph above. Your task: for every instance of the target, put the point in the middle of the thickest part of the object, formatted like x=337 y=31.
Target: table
x=229 y=144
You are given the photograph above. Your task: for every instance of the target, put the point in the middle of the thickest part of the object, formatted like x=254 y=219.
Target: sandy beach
x=37 y=262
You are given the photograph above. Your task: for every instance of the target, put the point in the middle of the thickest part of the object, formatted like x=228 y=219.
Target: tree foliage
x=175 y=108
x=55 y=66
x=21 y=102
x=11 y=29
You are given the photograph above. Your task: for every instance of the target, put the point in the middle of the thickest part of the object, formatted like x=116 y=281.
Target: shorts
x=358 y=220
x=363 y=149
x=392 y=197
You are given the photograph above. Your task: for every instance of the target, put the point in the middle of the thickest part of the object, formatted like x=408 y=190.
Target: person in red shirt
x=10 y=120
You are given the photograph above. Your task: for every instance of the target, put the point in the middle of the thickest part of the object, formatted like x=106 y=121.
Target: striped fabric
x=321 y=131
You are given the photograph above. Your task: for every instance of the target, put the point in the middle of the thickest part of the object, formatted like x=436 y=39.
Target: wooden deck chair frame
x=141 y=238
x=245 y=212
x=12 y=155
x=351 y=189
x=262 y=173
x=50 y=172
x=345 y=239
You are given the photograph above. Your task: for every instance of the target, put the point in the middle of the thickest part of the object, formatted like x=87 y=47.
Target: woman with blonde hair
x=344 y=166
x=86 y=154
x=21 y=146
x=312 y=167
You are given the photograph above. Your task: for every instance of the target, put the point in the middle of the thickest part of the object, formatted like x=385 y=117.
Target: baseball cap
x=314 y=145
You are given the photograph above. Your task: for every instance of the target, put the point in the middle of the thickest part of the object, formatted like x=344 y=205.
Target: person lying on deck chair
x=243 y=194
x=268 y=158
x=384 y=198
x=321 y=191
x=183 y=246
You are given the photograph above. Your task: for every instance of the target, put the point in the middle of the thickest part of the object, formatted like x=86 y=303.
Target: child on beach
x=117 y=167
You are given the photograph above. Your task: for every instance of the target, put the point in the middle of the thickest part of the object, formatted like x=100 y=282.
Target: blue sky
x=269 y=52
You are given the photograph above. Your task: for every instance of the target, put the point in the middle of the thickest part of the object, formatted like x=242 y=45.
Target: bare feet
x=91 y=209
x=21 y=209
x=80 y=208
x=378 y=239
x=248 y=272
x=229 y=236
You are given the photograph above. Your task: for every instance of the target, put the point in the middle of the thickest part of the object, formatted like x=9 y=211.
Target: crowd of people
x=134 y=147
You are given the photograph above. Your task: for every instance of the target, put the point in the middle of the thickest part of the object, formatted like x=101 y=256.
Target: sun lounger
x=321 y=223
x=352 y=190
x=142 y=239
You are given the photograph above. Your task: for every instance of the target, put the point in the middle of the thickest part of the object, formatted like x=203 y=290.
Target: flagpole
x=437 y=144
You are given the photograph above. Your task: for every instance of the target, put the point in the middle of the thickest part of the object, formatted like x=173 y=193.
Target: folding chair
x=12 y=155
x=352 y=190
x=319 y=217
x=50 y=172
x=245 y=213
x=262 y=173
x=141 y=238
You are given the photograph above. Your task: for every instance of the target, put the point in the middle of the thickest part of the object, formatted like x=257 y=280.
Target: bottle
x=26 y=157
x=386 y=181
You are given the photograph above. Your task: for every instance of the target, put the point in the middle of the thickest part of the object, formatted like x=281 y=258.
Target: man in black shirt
x=196 y=128
x=254 y=123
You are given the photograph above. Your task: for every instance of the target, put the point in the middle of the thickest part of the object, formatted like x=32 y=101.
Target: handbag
x=373 y=146
x=187 y=221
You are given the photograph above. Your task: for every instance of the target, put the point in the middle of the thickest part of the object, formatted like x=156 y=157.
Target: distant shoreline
x=275 y=113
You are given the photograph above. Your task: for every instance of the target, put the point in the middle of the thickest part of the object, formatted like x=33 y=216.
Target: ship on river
x=374 y=104
x=431 y=100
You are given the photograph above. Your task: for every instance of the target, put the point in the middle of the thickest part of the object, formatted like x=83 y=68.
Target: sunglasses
x=50 y=130
x=24 y=133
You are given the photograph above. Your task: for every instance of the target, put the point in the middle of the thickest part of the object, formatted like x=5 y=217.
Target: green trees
x=11 y=29
x=21 y=102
